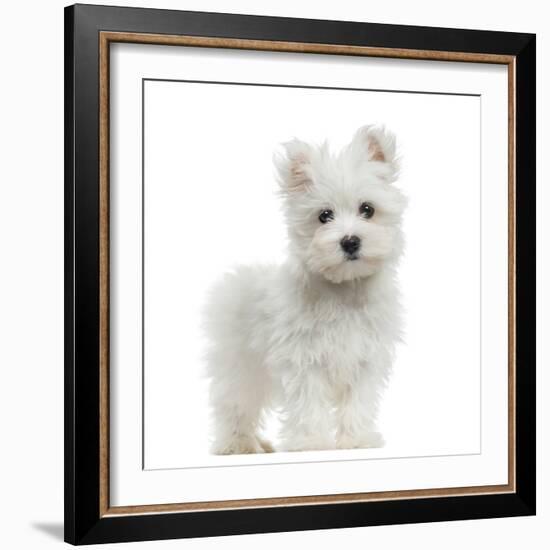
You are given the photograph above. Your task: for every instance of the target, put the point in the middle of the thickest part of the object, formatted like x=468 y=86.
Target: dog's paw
x=266 y=445
x=242 y=445
x=367 y=440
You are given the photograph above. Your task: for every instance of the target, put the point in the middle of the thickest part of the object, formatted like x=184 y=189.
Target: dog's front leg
x=307 y=420
x=356 y=412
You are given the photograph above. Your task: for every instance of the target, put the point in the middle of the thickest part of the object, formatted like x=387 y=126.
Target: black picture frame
x=84 y=523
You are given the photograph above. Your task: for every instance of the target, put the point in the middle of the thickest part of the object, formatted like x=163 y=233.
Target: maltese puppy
x=313 y=339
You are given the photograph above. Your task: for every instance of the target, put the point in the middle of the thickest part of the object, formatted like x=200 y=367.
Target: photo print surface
x=212 y=205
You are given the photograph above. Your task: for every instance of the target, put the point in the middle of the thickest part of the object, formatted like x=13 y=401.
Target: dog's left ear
x=378 y=144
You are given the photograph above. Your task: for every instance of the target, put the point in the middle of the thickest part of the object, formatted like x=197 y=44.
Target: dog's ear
x=293 y=165
x=378 y=144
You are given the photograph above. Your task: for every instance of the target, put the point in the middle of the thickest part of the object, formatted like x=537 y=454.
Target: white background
x=210 y=204
x=31 y=354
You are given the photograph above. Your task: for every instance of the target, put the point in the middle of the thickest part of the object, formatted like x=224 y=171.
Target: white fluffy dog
x=313 y=338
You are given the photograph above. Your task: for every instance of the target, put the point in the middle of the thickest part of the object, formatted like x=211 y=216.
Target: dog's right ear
x=293 y=166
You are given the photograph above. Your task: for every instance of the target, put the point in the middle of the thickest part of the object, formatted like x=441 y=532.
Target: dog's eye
x=326 y=215
x=366 y=210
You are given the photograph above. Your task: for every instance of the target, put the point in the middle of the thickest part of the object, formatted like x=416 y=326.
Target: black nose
x=350 y=245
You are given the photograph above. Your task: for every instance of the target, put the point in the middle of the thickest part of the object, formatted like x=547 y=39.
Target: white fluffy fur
x=313 y=338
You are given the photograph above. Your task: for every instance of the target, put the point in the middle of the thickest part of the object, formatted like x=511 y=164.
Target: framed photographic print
x=300 y=274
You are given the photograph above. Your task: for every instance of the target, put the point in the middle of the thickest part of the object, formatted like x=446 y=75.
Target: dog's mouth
x=352 y=257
